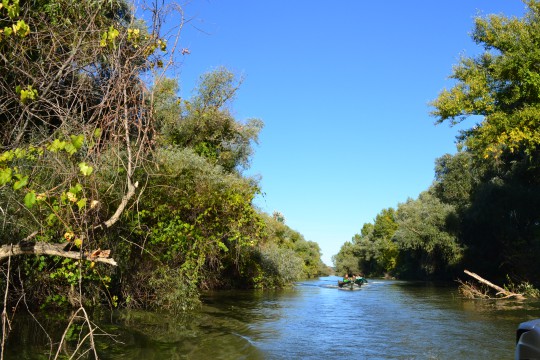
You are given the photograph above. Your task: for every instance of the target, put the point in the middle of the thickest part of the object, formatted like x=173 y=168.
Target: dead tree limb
x=500 y=290
x=43 y=248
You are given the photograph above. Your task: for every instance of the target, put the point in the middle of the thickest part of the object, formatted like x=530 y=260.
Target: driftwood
x=42 y=248
x=500 y=291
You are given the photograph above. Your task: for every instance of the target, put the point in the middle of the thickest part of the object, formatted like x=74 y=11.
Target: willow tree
x=206 y=124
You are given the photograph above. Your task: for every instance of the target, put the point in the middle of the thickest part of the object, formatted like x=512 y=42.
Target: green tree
x=374 y=247
x=455 y=179
x=345 y=261
x=76 y=125
x=280 y=235
x=501 y=85
x=206 y=124
x=426 y=237
x=499 y=165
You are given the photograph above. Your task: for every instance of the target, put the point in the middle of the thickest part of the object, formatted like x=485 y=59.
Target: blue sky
x=343 y=89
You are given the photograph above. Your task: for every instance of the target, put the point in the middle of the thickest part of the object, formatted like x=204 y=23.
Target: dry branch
x=500 y=290
x=43 y=248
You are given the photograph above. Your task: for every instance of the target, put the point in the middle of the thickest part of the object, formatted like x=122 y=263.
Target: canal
x=386 y=319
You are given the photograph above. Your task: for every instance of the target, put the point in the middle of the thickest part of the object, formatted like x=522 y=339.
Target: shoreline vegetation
x=482 y=212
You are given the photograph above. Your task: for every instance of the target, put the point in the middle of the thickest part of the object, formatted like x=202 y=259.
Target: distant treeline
x=482 y=211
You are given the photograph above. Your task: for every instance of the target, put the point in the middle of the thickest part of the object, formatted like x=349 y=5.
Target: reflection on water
x=313 y=320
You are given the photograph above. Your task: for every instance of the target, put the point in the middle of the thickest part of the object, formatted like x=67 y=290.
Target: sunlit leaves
x=10 y=173
x=21 y=181
x=21 y=28
x=30 y=199
x=5 y=176
x=70 y=146
x=56 y=145
x=85 y=169
x=26 y=94
x=81 y=203
x=133 y=34
x=108 y=37
x=12 y=8
x=502 y=85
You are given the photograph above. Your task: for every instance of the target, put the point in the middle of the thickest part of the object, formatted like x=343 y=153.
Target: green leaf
x=81 y=203
x=77 y=141
x=21 y=183
x=51 y=219
x=223 y=246
x=5 y=176
x=28 y=94
x=75 y=189
x=56 y=145
x=21 y=28
x=20 y=153
x=85 y=169
x=30 y=199
x=103 y=41
x=6 y=156
x=70 y=149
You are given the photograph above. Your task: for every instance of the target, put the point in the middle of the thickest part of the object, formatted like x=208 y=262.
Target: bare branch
x=500 y=290
x=43 y=248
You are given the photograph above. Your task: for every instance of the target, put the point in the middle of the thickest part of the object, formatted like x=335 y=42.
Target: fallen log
x=500 y=290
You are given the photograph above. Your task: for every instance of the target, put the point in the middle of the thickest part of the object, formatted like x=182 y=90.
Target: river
x=386 y=319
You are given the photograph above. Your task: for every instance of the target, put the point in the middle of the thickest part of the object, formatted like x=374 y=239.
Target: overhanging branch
x=43 y=248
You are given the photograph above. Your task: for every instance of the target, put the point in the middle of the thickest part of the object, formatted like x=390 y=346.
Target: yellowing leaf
x=71 y=197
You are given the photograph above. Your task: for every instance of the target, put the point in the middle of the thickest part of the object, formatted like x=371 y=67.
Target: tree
x=206 y=125
x=501 y=85
x=426 y=237
x=374 y=246
x=455 y=179
x=345 y=261
x=499 y=166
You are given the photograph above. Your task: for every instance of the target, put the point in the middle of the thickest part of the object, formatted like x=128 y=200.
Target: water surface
x=314 y=320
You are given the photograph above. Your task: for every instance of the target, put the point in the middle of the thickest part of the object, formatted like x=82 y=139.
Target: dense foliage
x=483 y=210
x=97 y=152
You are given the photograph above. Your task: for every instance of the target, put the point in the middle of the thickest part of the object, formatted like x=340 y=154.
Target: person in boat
x=346 y=280
x=360 y=279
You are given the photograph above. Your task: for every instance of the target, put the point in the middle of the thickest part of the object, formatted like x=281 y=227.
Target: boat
x=351 y=284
